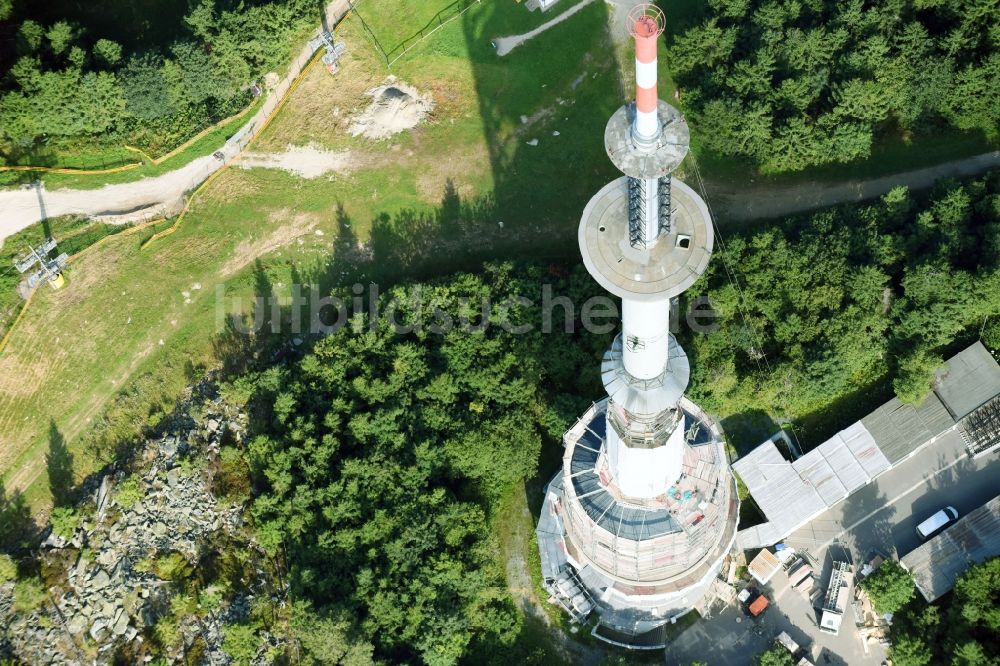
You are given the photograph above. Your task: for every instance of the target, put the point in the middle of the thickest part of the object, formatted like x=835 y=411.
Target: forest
x=960 y=629
x=822 y=305
x=381 y=457
x=790 y=84
x=67 y=83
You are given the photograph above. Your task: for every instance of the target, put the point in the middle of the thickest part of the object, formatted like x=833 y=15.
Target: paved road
x=724 y=641
x=884 y=515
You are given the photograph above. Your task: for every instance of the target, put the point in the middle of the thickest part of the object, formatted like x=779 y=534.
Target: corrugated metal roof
x=792 y=493
x=758 y=536
x=971 y=378
x=900 y=429
x=776 y=486
x=938 y=563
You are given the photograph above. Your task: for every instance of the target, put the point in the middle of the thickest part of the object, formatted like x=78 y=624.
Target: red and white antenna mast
x=645 y=24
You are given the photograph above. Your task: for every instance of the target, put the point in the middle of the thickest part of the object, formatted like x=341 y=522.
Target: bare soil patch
x=297 y=226
x=309 y=161
x=396 y=107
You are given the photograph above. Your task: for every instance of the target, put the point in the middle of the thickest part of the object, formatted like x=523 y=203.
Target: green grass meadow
x=110 y=352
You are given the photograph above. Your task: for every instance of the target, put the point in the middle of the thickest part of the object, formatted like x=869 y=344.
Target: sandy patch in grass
x=396 y=107
x=297 y=226
x=304 y=161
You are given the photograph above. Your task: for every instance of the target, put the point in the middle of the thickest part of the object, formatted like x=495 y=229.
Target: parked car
x=937 y=522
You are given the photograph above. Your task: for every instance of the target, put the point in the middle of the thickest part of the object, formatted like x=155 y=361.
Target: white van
x=936 y=522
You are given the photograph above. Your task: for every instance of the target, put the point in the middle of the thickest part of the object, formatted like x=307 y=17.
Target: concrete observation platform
x=662 y=271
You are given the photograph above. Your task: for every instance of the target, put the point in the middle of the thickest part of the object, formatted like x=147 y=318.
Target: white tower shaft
x=646 y=336
x=646 y=473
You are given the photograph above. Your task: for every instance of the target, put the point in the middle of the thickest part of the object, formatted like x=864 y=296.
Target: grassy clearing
x=96 y=360
x=73 y=233
x=392 y=23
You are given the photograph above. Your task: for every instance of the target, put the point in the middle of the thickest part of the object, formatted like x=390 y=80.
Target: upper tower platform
x=653 y=273
x=655 y=158
x=646 y=237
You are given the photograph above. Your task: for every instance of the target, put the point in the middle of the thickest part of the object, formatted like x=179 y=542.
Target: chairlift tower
x=644 y=510
x=47 y=269
x=334 y=50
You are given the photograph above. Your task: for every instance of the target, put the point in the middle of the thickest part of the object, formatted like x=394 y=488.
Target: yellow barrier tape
x=173 y=227
x=133 y=165
x=146 y=156
x=24 y=308
x=197 y=137
x=79 y=172
x=267 y=121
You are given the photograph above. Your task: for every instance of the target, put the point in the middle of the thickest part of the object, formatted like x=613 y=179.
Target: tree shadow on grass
x=18 y=531
x=248 y=335
x=748 y=430
x=59 y=465
x=458 y=236
x=544 y=107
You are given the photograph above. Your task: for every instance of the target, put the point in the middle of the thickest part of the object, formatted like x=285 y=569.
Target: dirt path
x=22 y=208
x=520 y=523
x=505 y=45
x=161 y=194
x=753 y=202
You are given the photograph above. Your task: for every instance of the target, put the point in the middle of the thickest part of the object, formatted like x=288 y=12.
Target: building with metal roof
x=791 y=493
x=969 y=380
x=971 y=388
x=981 y=429
x=901 y=429
x=937 y=563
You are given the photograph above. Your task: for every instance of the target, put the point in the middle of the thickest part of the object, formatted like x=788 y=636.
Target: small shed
x=787 y=641
x=764 y=566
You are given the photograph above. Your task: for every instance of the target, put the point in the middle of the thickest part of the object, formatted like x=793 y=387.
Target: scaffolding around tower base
x=643 y=563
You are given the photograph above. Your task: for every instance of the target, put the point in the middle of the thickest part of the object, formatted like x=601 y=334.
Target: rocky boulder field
x=157 y=567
